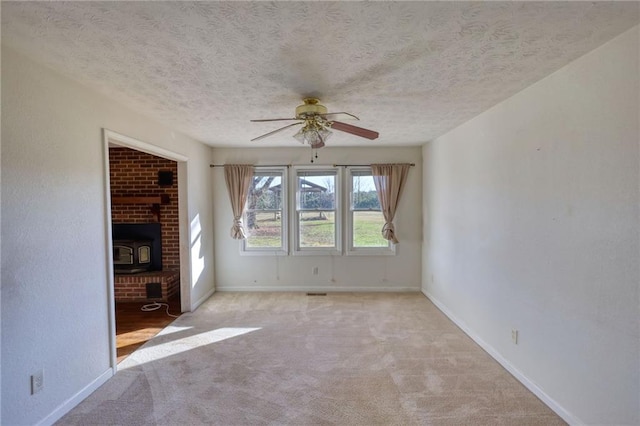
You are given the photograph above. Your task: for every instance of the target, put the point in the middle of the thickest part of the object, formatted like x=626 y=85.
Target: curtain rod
x=289 y=165
x=367 y=165
x=261 y=165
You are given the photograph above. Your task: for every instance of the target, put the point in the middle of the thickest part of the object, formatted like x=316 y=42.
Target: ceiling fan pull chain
x=312 y=154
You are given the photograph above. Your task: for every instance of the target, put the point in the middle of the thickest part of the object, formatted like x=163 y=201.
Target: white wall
x=54 y=258
x=359 y=273
x=531 y=223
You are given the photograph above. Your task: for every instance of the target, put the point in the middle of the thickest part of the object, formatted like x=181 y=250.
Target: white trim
x=521 y=377
x=76 y=399
x=184 y=237
x=111 y=302
x=372 y=251
x=296 y=250
x=129 y=142
x=283 y=250
x=203 y=299
x=112 y=138
x=350 y=250
x=327 y=251
x=324 y=289
x=262 y=251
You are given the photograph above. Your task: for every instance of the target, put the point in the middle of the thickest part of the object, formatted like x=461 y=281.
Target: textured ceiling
x=410 y=70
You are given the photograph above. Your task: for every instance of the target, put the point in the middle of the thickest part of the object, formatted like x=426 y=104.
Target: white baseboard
x=70 y=403
x=550 y=402
x=323 y=289
x=200 y=301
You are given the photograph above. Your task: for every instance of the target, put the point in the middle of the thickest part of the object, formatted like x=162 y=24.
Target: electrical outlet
x=37 y=382
x=315 y=270
x=514 y=336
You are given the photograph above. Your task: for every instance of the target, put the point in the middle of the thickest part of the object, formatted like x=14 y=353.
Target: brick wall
x=135 y=174
x=133 y=288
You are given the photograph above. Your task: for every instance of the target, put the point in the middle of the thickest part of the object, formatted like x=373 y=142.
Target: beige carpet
x=289 y=358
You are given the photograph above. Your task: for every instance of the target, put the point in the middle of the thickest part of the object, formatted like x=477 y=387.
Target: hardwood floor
x=135 y=327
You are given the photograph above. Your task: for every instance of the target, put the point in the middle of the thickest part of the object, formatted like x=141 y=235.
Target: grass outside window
x=266 y=231
x=317 y=230
x=367 y=229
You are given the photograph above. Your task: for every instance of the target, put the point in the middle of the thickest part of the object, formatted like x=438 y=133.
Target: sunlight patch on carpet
x=154 y=352
x=170 y=329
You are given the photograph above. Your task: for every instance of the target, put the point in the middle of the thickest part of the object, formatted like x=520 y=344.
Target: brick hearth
x=133 y=287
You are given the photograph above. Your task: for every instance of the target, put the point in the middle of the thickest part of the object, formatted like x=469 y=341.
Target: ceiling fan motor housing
x=310 y=108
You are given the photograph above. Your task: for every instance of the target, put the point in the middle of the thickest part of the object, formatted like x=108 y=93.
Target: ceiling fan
x=316 y=124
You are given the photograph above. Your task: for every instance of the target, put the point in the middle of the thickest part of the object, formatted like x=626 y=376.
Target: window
x=265 y=213
x=364 y=218
x=317 y=224
x=313 y=224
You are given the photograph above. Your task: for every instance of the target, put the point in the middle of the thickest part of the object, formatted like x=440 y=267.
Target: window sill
x=264 y=252
x=372 y=252
x=317 y=252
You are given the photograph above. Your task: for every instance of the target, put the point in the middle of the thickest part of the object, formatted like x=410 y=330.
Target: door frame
x=111 y=138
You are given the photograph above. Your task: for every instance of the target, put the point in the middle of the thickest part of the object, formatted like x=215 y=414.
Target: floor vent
x=154 y=290
x=316 y=294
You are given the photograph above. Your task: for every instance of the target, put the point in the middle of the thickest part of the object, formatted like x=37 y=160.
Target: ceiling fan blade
x=273 y=119
x=354 y=130
x=276 y=131
x=332 y=115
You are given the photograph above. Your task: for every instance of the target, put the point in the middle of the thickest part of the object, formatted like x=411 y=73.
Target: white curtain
x=389 y=180
x=238 y=178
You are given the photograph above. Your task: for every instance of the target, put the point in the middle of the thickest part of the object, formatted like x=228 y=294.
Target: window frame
x=283 y=250
x=336 y=250
x=351 y=250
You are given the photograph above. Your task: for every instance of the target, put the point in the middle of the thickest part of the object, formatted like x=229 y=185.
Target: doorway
x=146 y=217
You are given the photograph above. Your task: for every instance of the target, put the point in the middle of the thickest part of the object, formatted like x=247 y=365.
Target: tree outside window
x=317 y=218
x=264 y=212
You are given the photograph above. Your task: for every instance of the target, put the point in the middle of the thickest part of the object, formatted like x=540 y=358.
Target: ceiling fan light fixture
x=300 y=136
x=313 y=135
x=324 y=133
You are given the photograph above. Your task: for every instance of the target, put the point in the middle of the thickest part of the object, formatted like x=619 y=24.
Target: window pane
x=316 y=191
x=266 y=229
x=364 y=192
x=317 y=229
x=265 y=192
x=263 y=216
x=367 y=229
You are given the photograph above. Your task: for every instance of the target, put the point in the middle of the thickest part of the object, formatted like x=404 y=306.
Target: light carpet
x=293 y=359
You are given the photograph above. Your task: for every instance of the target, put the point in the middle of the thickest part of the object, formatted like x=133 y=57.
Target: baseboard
x=200 y=301
x=522 y=378
x=70 y=403
x=323 y=289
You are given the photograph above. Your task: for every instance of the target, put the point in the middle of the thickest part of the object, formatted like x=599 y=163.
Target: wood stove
x=132 y=256
x=137 y=247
